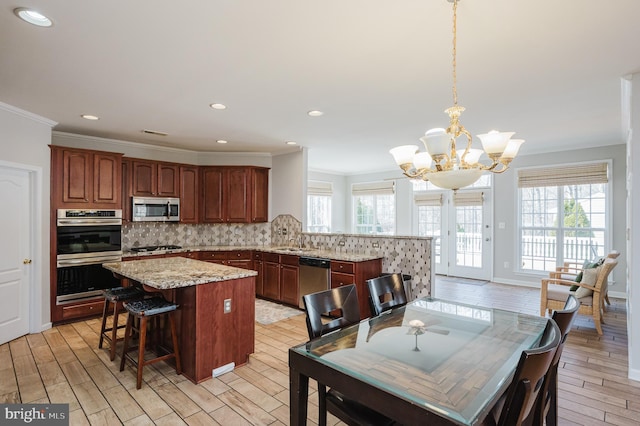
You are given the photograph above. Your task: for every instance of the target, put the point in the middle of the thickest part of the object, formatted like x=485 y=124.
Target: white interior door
x=15 y=252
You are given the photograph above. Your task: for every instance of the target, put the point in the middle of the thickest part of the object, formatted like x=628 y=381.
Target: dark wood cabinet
x=127 y=206
x=280 y=280
x=85 y=179
x=344 y=273
x=189 y=194
x=168 y=180
x=289 y=279
x=271 y=281
x=236 y=258
x=81 y=310
x=260 y=195
x=154 y=179
x=211 y=184
x=234 y=194
x=240 y=259
x=213 y=256
x=258 y=266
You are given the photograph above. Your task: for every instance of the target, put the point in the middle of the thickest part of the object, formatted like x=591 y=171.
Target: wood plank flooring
x=64 y=365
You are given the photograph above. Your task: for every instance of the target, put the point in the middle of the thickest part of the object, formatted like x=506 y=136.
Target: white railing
x=574 y=249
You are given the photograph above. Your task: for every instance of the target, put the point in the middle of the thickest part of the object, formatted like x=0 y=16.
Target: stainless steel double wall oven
x=85 y=240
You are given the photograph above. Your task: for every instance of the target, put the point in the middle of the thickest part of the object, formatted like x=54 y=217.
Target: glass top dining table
x=431 y=361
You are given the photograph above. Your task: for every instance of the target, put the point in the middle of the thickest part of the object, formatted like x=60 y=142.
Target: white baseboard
x=45 y=327
x=618 y=295
x=634 y=375
x=516 y=283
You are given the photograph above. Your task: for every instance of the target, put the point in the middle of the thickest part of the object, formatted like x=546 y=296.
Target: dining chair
x=555 y=291
x=517 y=405
x=340 y=306
x=547 y=405
x=385 y=293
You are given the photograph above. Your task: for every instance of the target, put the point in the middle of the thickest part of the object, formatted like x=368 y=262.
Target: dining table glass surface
x=450 y=358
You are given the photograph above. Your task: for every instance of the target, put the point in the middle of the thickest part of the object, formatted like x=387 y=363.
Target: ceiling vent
x=154 y=132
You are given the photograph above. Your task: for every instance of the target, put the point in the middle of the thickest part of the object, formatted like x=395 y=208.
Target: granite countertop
x=176 y=272
x=308 y=252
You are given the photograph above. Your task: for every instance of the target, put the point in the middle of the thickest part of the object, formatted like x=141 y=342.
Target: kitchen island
x=216 y=313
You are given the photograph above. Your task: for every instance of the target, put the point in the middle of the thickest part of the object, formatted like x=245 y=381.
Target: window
x=319 y=206
x=563 y=215
x=374 y=208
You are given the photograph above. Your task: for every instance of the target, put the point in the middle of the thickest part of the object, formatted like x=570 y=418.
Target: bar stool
x=142 y=310
x=115 y=296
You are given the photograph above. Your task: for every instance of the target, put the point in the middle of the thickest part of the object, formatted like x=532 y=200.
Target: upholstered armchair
x=570 y=270
x=591 y=292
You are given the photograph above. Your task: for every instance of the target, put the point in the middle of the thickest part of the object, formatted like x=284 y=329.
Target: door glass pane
x=429 y=225
x=469 y=236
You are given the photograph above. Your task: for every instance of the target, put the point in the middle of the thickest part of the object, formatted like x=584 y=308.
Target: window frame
x=354 y=217
x=608 y=212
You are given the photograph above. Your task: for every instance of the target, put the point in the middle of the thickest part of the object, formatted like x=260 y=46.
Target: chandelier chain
x=455 y=77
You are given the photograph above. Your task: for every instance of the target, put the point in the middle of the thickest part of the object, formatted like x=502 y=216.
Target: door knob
x=26 y=261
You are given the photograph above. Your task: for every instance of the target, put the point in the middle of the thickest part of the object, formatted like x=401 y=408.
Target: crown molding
x=27 y=114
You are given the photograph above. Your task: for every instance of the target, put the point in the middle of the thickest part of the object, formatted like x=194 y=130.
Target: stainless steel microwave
x=155 y=209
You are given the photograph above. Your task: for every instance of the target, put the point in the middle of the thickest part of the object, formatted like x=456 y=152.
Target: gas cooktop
x=154 y=248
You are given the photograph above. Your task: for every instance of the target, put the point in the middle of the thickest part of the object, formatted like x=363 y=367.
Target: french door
x=460 y=224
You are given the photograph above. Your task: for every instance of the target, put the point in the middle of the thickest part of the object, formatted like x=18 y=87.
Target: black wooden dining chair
x=385 y=293
x=343 y=302
x=519 y=401
x=547 y=405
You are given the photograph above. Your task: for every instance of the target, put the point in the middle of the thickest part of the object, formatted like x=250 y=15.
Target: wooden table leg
x=298 y=397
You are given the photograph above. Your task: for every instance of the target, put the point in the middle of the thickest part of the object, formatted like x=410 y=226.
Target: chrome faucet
x=299 y=240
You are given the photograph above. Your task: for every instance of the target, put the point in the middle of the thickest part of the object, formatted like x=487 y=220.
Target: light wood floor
x=63 y=365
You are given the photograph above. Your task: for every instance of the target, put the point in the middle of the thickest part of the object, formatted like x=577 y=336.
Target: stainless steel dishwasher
x=314 y=276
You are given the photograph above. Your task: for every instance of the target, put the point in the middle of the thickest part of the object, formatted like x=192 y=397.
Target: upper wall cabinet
x=85 y=179
x=260 y=194
x=234 y=194
x=189 y=194
x=154 y=179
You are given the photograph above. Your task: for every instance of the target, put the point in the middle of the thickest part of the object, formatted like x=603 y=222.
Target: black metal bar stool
x=113 y=298
x=142 y=310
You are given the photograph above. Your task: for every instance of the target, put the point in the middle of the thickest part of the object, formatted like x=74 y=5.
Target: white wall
x=289 y=185
x=24 y=140
x=633 y=245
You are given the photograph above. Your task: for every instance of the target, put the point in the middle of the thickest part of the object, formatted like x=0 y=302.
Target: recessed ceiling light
x=90 y=117
x=222 y=141
x=218 y=106
x=315 y=113
x=32 y=17
x=291 y=143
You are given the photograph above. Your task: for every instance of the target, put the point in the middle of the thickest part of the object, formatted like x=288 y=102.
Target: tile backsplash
x=407 y=255
x=142 y=234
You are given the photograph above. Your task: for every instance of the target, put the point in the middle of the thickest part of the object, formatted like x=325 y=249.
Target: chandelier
x=444 y=165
